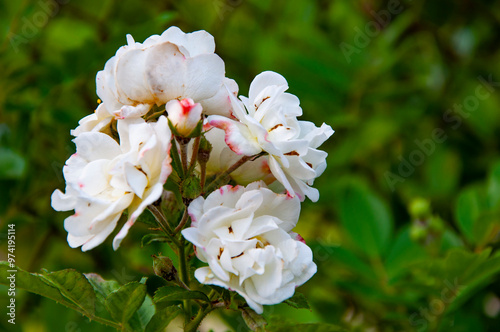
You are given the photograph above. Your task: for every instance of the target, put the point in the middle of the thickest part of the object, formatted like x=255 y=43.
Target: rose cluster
x=174 y=86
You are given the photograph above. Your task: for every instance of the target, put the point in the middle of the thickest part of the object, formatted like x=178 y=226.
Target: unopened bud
x=191 y=187
x=164 y=268
x=204 y=150
x=420 y=209
x=184 y=116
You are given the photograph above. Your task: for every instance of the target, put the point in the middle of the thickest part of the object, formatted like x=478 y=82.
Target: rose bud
x=184 y=116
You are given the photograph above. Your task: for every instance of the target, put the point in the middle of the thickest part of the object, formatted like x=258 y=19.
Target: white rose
x=173 y=65
x=244 y=234
x=268 y=122
x=103 y=178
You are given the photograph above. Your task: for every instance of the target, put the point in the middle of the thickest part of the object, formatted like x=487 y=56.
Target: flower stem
x=183 y=145
x=231 y=169
x=203 y=176
x=192 y=326
x=183 y=222
x=194 y=155
x=163 y=223
x=184 y=276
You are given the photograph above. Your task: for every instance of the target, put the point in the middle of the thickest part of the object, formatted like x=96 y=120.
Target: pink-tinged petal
x=195 y=210
x=227 y=195
x=99 y=238
x=184 y=115
x=94 y=178
x=238 y=137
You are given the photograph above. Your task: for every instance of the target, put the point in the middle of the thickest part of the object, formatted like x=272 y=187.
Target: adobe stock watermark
x=31 y=25
x=453 y=116
x=436 y=307
x=372 y=29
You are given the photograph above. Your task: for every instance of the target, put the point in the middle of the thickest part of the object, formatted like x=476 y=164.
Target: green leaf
x=161 y=319
x=125 y=301
x=143 y=315
x=12 y=165
x=365 y=218
x=75 y=287
x=102 y=289
x=147 y=218
x=494 y=186
x=298 y=301
x=468 y=209
x=174 y=293
x=254 y=321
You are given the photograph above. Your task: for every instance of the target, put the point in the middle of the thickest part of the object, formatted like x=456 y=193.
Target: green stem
x=183 y=144
x=194 y=155
x=192 y=326
x=231 y=169
x=183 y=222
x=175 y=156
x=203 y=176
x=184 y=276
x=163 y=224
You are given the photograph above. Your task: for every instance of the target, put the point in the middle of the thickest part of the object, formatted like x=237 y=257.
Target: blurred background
x=405 y=233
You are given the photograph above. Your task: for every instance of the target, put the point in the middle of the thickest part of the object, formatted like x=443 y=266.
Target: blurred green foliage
x=404 y=84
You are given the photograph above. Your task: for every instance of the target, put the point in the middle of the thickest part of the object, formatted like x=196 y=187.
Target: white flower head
x=173 y=65
x=104 y=177
x=244 y=234
x=267 y=121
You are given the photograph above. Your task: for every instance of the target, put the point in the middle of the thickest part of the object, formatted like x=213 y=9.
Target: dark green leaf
x=125 y=301
x=298 y=301
x=75 y=287
x=174 y=293
x=161 y=319
x=366 y=219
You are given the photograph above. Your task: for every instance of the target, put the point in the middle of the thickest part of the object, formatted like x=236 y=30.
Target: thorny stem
x=183 y=222
x=184 y=276
x=192 y=326
x=231 y=169
x=203 y=176
x=183 y=145
x=194 y=155
x=163 y=223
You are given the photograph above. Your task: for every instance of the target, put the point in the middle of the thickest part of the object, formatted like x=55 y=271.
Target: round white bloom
x=268 y=122
x=244 y=234
x=173 y=65
x=103 y=178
